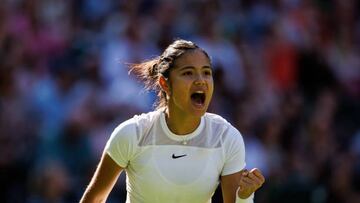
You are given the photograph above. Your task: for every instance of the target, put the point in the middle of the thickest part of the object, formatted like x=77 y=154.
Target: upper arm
x=103 y=180
x=234 y=152
x=118 y=152
x=229 y=185
x=234 y=164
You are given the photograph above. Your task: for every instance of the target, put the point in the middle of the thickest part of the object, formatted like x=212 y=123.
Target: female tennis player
x=179 y=152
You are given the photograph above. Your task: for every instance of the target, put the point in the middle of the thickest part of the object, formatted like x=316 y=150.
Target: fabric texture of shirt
x=164 y=167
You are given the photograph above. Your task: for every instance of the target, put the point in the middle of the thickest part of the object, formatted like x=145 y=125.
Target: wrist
x=242 y=195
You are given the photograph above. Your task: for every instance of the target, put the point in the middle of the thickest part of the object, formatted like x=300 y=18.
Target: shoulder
x=221 y=124
x=136 y=125
x=215 y=120
x=146 y=119
x=123 y=142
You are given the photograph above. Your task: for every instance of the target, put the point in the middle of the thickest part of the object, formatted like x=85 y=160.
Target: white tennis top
x=164 y=167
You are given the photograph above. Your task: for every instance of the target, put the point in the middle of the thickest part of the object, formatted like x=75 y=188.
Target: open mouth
x=198 y=98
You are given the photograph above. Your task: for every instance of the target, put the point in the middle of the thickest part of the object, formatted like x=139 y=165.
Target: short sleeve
x=234 y=151
x=121 y=146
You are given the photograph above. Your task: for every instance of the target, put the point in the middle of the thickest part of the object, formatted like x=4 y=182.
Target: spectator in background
x=311 y=94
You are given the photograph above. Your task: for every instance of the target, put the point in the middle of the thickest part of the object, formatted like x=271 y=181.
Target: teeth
x=200 y=92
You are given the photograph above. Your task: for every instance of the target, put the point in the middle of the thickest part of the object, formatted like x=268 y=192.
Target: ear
x=164 y=84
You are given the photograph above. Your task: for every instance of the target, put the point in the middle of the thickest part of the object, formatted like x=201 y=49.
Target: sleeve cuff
x=121 y=164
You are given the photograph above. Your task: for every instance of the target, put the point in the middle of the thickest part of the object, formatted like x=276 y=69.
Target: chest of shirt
x=178 y=164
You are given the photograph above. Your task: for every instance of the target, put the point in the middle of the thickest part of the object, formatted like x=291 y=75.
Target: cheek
x=180 y=90
x=211 y=86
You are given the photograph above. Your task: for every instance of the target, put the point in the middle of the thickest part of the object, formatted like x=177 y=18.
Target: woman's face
x=191 y=83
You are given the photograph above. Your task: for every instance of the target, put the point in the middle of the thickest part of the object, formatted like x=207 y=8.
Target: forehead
x=194 y=58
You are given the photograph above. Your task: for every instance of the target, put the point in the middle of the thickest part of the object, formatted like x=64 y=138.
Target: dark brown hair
x=150 y=70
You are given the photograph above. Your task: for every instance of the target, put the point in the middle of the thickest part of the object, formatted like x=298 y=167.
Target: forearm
x=91 y=198
x=102 y=182
x=91 y=195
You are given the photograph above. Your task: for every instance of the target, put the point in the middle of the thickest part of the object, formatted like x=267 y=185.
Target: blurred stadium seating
x=287 y=75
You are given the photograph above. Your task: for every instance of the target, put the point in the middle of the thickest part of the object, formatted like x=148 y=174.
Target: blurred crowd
x=287 y=75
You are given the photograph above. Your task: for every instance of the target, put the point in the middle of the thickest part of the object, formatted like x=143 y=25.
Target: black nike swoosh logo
x=176 y=157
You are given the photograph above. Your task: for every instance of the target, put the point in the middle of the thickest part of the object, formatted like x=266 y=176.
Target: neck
x=179 y=123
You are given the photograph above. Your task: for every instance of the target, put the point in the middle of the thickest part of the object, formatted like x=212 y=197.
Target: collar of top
x=180 y=138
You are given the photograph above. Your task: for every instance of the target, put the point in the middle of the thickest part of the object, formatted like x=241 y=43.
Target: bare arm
x=103 y=180
x=248 y=181
x=229 y=185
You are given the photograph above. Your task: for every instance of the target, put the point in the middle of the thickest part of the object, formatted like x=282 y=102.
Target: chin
x=198 y=112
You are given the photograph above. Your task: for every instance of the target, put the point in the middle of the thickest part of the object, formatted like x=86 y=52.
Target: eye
x=208 y=72
x=187 y=73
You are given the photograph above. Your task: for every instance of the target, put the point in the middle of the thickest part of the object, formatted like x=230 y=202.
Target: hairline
x=173 y=67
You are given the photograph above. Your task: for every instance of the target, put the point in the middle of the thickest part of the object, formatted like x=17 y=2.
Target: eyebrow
x=192 y=67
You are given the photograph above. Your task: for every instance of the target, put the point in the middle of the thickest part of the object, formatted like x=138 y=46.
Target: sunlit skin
x=191 y=73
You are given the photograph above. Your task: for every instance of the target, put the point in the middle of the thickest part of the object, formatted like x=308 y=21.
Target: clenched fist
x=249 y=182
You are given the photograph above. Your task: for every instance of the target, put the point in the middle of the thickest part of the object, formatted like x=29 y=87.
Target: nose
x=200 y=80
